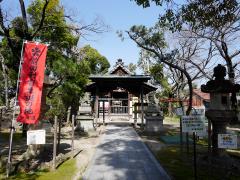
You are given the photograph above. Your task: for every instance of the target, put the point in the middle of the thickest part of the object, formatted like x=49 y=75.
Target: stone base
x=85 y=125
x=219 y=119
x=154 y=124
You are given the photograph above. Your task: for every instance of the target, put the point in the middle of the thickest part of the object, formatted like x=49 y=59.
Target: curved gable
x=119 y=69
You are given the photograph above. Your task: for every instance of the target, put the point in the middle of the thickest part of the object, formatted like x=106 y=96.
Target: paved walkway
x=123 y=156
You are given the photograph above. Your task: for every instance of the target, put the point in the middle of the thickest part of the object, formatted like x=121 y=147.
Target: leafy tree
x=145 y=61
x=147 y=3
x=45 y=21
x=132 y=68
x=98 y=64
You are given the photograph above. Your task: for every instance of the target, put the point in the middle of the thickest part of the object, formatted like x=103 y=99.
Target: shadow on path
x=122 y=155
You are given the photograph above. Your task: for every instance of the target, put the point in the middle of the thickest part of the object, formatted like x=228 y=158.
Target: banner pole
x=13 y=115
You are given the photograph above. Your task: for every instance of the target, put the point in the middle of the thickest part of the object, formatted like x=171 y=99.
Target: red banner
x=31 y=82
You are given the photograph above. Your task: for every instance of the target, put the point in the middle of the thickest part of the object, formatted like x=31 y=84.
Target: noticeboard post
x=194 y=124
x=227 y=141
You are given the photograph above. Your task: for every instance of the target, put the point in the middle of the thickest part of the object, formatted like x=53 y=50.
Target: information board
x=193 y=124
x=36 y=137
x=227 y=141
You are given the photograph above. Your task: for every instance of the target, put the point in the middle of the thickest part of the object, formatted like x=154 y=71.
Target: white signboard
x=36 y=137
x=227 y=141
x=193 y=124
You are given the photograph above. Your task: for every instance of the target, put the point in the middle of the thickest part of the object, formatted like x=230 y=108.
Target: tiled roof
x=204 y=96
x=120 y=64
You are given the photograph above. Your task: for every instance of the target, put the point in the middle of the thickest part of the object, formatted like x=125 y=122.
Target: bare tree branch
x=42 y=19
x=24 y=17
x=165 y=59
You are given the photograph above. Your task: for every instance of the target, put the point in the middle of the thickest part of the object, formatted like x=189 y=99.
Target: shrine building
x=115 y=94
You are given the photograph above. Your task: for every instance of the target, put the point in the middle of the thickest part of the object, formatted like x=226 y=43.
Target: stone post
x=135 y=115
x=68 y=114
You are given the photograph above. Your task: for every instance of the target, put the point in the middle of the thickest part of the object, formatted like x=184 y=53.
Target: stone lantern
x=219 y=112
x=153 y=116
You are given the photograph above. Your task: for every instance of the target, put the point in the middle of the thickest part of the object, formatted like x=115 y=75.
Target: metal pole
x=187 y=138
x=209 y=137
x=72 y=145
x=54 y=143
x=181 y=135
x=13 y=115
x=194 y=156
x=209 y=145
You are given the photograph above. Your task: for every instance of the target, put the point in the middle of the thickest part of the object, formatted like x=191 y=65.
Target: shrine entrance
x=114 y=94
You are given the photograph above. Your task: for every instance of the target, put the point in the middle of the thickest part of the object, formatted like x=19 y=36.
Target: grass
x=175 y=164
x=180 y=165
x=17 y=136
x=64 y=172
x=174 y=119
x=2 y=173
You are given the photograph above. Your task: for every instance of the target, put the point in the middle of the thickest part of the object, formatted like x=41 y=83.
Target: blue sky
x=119 y=15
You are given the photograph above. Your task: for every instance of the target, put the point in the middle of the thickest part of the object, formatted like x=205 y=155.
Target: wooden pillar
x=135 y=115
x=128 y=103
x=96 y=105
x=104 y=112
x=54 y=143
x=109 y=103
x=72 y=144
x=142 y=114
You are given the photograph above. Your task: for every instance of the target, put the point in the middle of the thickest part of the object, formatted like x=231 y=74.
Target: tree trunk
x=170 y=113
x=59 y=135
x=5 y=77
x=231 y=76
x=190 y=92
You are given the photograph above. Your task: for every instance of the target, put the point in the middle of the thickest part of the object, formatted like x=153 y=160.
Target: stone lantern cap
x=220 y=84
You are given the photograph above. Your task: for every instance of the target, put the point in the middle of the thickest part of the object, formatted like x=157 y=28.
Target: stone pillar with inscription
x=85 y=117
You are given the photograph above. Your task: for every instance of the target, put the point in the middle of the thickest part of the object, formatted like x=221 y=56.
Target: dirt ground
x=84 y=148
